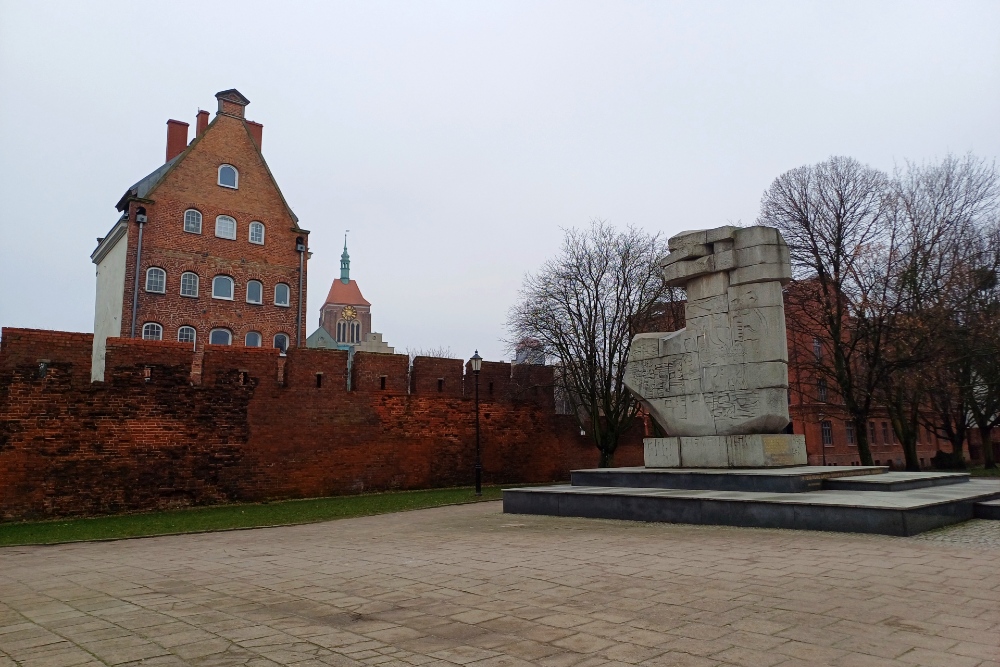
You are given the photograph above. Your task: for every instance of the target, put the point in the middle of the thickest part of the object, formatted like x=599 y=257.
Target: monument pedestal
x=776 y=450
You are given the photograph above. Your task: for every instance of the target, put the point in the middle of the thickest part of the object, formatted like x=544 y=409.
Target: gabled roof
x=147 y=185
x=348 y=295
x=232 y=95
x=144 y=186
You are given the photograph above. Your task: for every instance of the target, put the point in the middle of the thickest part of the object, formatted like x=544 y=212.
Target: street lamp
x=477 y=365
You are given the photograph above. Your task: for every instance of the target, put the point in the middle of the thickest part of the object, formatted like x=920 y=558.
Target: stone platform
x=832 y=498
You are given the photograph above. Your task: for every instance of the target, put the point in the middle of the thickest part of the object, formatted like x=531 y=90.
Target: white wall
x=108 y=308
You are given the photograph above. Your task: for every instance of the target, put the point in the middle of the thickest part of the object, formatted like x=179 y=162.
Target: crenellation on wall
x=315 y=368
x=534 y=383
x=374 y=371
x=436 y=375
x=70 y=350
x=225 y=365
x=494 y=381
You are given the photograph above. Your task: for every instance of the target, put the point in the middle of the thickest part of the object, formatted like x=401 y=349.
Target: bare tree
x=836 y=217
x=583 y=307
x=442 y=351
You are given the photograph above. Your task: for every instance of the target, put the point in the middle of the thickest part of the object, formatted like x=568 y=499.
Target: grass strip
x=980 y=471
x=229 y=517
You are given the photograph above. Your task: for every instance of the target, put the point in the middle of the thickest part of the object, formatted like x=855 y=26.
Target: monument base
x=726 y=451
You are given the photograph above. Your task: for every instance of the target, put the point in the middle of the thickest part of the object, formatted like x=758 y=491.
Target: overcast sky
x=456 y=139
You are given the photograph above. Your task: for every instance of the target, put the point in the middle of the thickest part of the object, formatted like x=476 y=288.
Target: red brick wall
x=193 y=184
x=70 y=351
x=257 y=427
x=436 y=376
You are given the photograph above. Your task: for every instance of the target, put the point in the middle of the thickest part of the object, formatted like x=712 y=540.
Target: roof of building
x=321 y=338
x=346 y=294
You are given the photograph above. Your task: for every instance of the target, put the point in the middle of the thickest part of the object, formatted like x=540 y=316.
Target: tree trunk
x=910 y=454
x=861 y=434
x=986 y=438
x=607 y=459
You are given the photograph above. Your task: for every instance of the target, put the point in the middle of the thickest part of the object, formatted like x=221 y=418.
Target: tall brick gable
x=192 y=182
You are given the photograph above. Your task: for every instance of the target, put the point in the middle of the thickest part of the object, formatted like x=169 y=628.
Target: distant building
x=529 y=351
x=345 y=319
x=207 y=250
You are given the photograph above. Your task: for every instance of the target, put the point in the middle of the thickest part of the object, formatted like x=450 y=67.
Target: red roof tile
x=348 y=294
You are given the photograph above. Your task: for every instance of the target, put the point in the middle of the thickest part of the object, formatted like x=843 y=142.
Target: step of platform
x=989 y=509
x=896 y=481
x=900 y=513
x=766 y=480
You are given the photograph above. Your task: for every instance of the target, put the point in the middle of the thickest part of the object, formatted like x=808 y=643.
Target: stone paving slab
x=468 y=585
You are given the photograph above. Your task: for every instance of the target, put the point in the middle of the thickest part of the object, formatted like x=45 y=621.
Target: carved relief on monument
x=726 y=372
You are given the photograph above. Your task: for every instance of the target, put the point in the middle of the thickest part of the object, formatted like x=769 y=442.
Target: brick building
x=206 y=250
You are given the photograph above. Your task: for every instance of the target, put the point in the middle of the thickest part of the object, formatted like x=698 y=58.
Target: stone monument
x=719 y=386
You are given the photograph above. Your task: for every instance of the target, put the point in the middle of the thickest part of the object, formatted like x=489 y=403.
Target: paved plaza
x=468 y=585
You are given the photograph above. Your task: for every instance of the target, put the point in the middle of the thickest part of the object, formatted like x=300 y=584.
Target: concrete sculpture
x=719 y=386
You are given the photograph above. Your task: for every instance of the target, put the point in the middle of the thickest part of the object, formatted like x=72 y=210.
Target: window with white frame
x=257 y=233
x=189 y=284
x=281 y=341
x=187 y=334
x=220 y=337
x=255 y=292
x=826 y=428
x=281 y=293
x=192 y=221
x=225 y=227
x=253 y=339
x=228 y=176
x=222 y=287
x=156 y=280
x=152 y=331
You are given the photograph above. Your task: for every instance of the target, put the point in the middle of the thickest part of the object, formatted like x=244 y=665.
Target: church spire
x=345 y=263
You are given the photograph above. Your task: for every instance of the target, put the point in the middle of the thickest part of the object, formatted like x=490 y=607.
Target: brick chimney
x=177 y=138
x=232 y=102
x=256 y=131
x=202 y=123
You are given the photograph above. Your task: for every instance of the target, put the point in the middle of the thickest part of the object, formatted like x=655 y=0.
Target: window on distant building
x=228 y=176
x=885 y=433
x=355 y=332
x=826 y=428
x=220 y=337
x=152 y=331
x=817 y=349
x=281 y=342
x=225 y=227
x=189 y=284
x=156 y=280
x=257 y=233
x=872 y=437
x=253 y=339
x=255 y=292
x=222 y=288
x=192 y=221
x=849 y=429
x=821 y=390
x=186 y=334
x=281 y=292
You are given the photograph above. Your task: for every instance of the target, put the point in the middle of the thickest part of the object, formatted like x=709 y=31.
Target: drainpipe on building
x=140 y=217
x=300 y=245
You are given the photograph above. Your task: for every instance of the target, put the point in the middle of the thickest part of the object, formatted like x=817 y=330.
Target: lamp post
x=477 y=364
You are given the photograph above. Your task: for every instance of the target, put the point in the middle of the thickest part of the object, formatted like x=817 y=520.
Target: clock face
x=349 y=313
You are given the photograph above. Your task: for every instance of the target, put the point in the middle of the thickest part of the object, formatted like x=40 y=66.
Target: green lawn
x=222 y=517
x=980 y=471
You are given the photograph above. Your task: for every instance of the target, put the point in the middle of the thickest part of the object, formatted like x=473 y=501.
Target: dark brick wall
x=258 y=427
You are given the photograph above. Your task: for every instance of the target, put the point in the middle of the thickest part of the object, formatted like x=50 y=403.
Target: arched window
x=189 y=284
x=257 y=233
x=228 y=176
x=220 y=337
x=355 y=332
x=255 y=292
x=187 y=334
x=225 y=227
x=817 y=348
x=192 y=221
x=281 y=341
x=152 y=331
x=156 y=280
x=253 y=339
x=281 y=294
x=222 y=288
x=341 y=331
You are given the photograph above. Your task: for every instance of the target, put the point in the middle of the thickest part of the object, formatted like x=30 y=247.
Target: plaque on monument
x=719 y=386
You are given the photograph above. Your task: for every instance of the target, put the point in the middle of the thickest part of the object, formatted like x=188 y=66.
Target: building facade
x=345 y=319
x=206 y=250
